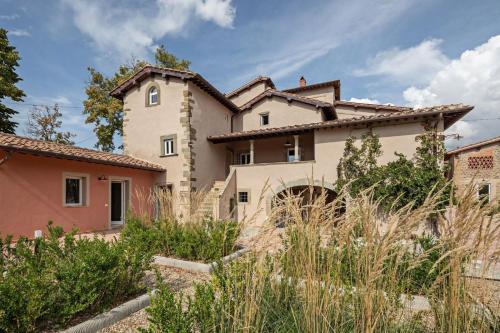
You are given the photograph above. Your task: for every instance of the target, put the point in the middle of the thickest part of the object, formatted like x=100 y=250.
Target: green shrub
x=46 y=282
x=207 y=240
x=423 y=275
x=166 y=313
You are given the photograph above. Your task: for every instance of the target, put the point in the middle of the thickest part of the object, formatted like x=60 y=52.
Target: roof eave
x=76 y=158
x=120 y=91
x=354 y=123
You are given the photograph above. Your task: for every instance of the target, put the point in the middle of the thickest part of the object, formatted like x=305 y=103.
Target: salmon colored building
x=73 y=187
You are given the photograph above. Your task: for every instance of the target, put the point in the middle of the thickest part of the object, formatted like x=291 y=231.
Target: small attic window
x=264 y=119
x=153 y=96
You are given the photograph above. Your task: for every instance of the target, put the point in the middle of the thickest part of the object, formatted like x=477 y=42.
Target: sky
x=404 y=52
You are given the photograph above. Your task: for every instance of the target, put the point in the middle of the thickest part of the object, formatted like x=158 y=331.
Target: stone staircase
x=207 y=206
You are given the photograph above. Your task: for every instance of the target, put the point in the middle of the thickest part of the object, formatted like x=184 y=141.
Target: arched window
x=153 y=96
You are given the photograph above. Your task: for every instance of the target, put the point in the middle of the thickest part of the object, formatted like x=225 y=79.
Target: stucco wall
x=281 y=113
x=209 y=117
x=329 y=144
x=325 y=94
x=143 y=126
x=328 y=149
x=31 y=194
x=463 y=175
x=249 y=93
x=253 y=178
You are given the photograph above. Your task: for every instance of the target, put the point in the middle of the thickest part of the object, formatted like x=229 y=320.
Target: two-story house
x=233 y=144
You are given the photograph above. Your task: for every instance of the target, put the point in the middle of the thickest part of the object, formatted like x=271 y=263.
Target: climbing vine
x=400 y=182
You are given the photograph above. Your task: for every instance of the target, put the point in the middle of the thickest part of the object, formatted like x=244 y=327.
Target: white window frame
x=489 y=191
x=153 y=91
x=126 y=197
x=244 y=156
x=83 y=189
x=168 y=147
x=262 y=115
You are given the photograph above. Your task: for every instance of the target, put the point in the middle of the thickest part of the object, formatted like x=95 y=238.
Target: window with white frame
x=153 y=96
x=264 y=119
x=168 y=145
x=244 y=158
x=243 y=197
x=483 y=193
x=75 y=190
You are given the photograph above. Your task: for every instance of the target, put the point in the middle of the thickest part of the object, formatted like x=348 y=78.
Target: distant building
x=478 y=163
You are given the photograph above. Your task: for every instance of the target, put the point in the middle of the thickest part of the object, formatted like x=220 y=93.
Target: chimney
x=302 y=82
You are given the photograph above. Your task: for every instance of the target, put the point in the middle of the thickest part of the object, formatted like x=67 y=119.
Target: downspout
x=6 y=158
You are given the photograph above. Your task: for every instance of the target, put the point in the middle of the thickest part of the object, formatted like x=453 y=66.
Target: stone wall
x=186 y=151
x=475 y=166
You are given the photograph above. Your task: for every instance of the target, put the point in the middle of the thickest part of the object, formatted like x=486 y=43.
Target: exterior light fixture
x=102 y=178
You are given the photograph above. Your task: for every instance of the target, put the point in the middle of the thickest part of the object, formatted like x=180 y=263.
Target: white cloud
x=61 y=100
x=18 y=33
x=126 y=30
x=414 y=65
x=9 y=17
x=221 y=12
x=473 y=78
x=299 y=36
x=364 y=100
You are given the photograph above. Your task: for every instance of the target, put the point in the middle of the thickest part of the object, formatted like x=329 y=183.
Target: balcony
x=277 y=150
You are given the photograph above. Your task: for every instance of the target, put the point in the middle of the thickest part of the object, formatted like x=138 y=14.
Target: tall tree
x=165 y=59
x=44 y=123
x=9 y=60
x=106 y=112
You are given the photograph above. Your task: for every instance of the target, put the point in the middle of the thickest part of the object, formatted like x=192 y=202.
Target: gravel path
x=486 y=291
x=177 y=279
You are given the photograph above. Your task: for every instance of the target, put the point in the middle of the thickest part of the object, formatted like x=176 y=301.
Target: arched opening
x=306 y=199
x=153 y=96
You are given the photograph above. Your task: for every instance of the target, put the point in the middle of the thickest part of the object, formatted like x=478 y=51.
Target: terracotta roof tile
x=20 y=144
x=375 y=107
x=251 y=84
x=450 y=112
x=334 y=83
x=474 y=145
x=196 y=78
x=289 y=96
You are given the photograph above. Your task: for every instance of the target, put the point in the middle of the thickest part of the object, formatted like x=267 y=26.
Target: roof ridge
x=274 y=92
x=304 y=97
x=249 y=84
x=314 y=85
x=196 y=78
x=474 y=145
x=170 y=68
x=374 y=105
